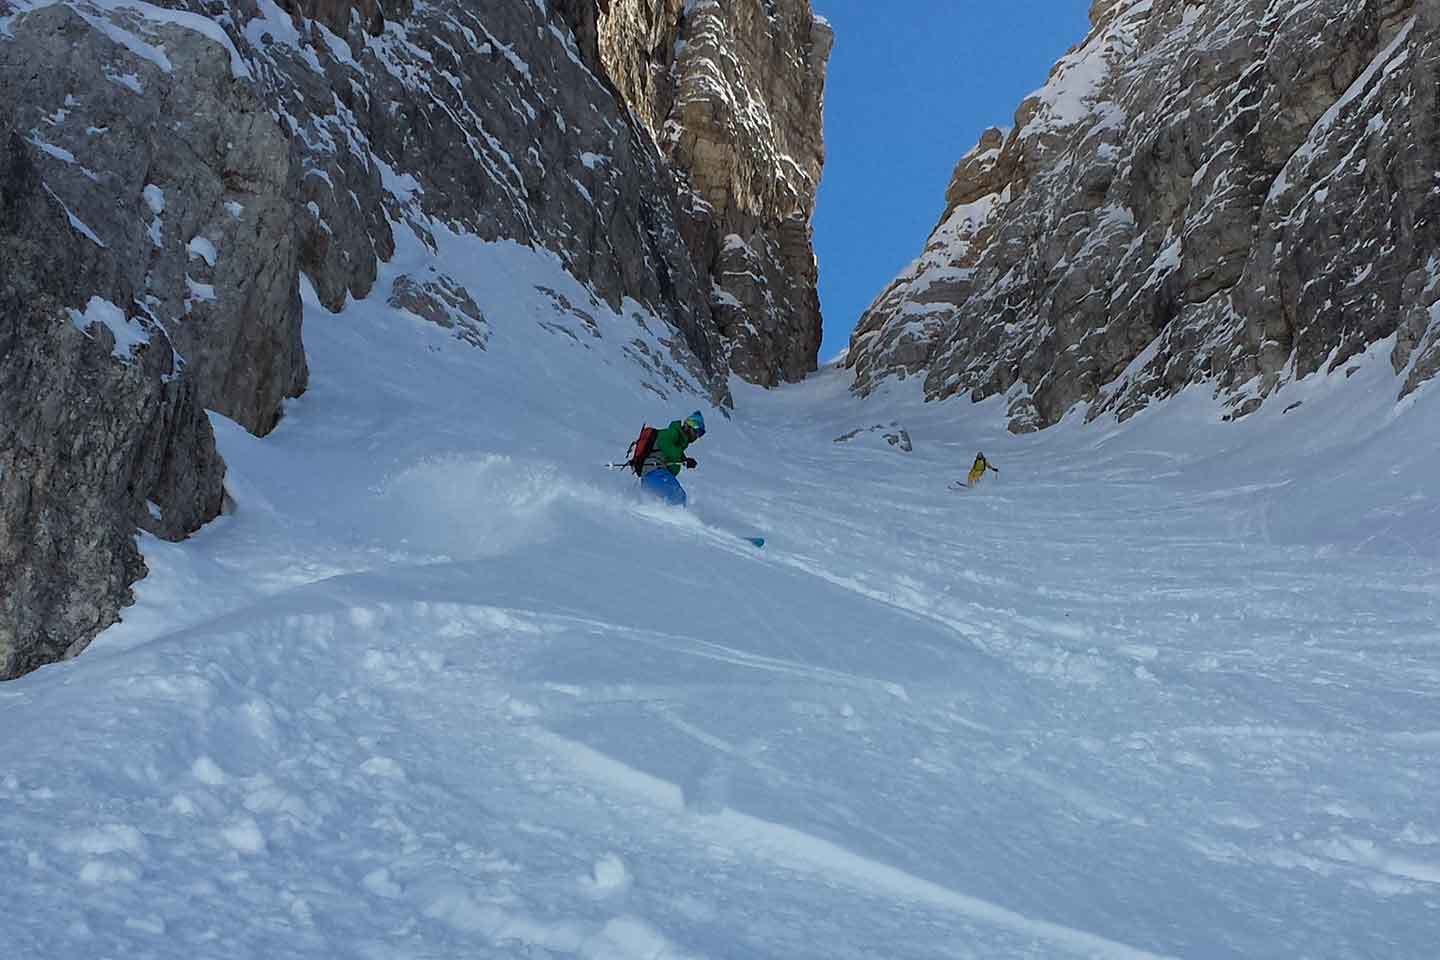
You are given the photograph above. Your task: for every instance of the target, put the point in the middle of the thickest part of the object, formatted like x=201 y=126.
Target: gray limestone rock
x=100 y=435
x=445 y=303
x=148 y=273
x=733 y=93
x=183 y=178
x=480 y=118
x=1239 y=194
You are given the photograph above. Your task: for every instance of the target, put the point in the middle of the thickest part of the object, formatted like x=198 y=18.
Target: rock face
x=733 y=94
x=1241 y=194
x=170 y=173
x=159 y=162
x=118 y=325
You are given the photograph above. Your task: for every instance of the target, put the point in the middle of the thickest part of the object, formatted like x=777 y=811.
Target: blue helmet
x=696 y=422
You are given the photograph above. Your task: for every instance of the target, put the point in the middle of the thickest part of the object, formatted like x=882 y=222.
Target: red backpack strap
x=641 y=448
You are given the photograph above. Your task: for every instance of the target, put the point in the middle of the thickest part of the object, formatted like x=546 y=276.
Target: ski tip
x=756 y=541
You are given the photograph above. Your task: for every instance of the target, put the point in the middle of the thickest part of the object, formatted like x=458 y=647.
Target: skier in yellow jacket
x=978 y=470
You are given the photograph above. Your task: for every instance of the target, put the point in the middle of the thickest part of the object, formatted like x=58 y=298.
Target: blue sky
x=911 y=87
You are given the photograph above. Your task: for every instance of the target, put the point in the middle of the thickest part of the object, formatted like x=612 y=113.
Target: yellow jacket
x=978 y=470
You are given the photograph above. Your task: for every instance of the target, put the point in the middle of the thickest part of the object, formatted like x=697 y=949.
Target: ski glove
x=690 y=462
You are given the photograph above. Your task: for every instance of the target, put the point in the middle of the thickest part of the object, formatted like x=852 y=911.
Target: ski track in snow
x=440 y=687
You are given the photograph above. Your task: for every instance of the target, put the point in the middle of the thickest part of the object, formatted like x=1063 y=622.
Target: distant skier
x=659 y=455
x=977 y=471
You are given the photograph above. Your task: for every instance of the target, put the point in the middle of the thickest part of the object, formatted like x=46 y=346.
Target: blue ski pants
x=662 y=483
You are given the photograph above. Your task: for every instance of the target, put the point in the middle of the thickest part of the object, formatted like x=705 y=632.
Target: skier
x=667 y=455
x=978 y=470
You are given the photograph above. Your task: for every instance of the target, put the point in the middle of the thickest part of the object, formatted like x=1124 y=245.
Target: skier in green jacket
x=668 y=455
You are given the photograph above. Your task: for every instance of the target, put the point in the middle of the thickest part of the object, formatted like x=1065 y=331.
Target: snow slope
x=440 y=686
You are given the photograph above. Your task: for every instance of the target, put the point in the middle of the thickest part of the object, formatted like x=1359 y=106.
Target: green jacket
x=670 y=443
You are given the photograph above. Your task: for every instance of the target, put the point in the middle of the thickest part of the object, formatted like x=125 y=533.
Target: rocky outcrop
x=143 y=278
x=172 y=168
x=892 y=433
x=1239 y=194
x=733 y=94
x=444 y=303
x=171 y=172
x=99 y=437
x=483 y=120
x=341 y=15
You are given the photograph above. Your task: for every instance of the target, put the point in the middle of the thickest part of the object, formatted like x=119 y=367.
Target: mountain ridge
x=1166 y=212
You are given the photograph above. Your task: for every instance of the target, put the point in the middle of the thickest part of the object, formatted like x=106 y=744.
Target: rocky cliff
x=733 y=93
x=169 y=173
x=1239 y=194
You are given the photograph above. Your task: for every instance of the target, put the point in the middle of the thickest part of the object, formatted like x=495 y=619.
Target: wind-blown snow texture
x=1241 y=194
x=440 y=686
